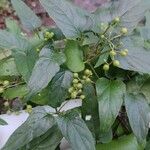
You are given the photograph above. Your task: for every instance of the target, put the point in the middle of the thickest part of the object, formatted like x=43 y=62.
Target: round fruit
x=116 y=63
x=126 y=50
x=106 y=67
x=1 y=90
x=79 y=86
x=88 y=80
x=112 y=53
x=51 y=34
x=80 y=91
x=75 y=81
x=102 y=36
x=75 y=85
x=6 y=83
x=84 y=77
x=70 y=90
x=87 y=72
x=124 y=30
x=75 y=75
x=29 y=111
x=29 y=107
x=6 y=104
x=73 y=94
x=117 y=19
x=123 y=53
x=37 y=49
x=82 y=97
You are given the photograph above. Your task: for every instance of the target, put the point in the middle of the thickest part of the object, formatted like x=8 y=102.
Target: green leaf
x=38 y=123
x=10 y=41
x=12 y=26
x=110 y=98
x=130 y=14
x=90 y=107
x=137 y=58
x=145 y=88
x=25 y=61
x=59 y=84
x=70 y=19
x=26 y=15
x=147 y=145
x=138 y=114
x=128 y=142
x=74 y=56
x=147 y=15
x=2 y=122
x=76 y=132
x=103 y=57
x=19 y=91
x=45 y=69
x=8 y=67
x=22 y=52
x=41 y=98
x=48 y=141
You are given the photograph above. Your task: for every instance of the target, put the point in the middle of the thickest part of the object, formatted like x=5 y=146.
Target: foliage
x=101 y=58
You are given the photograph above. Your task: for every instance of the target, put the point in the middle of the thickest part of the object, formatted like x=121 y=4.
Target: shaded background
x=7 y=11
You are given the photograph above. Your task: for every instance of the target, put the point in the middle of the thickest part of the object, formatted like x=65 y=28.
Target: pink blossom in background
x=90 y=4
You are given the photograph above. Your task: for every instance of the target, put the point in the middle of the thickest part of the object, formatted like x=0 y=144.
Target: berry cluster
x=28 y=109
x=107 y=38
x=77 y=84
x=48 y=35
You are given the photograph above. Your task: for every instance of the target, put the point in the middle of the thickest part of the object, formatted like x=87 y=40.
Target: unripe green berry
x=75 y=81
x=116 y=63
x=106 y=67
x=75 y=85
x=112 y=53
x=87 y=72
x=124 y=30
x=51 y=34
x=37 y=49
x=45 y=39
x=82 y=97
x=75 y=75
x=74 y=94
x=84 y=77
x=102 y=36
x=70 y=90
x=6 y=104
x=123 y=53
x=29 y=107
x=39 y=94
x=47 y=33
x=126 y=50
x=1 y=90
x=6 y=83
x=29 y=111
x=79 y=86
x=82 y=81
x=117 y=19
x=88 y=80
x=80 y=91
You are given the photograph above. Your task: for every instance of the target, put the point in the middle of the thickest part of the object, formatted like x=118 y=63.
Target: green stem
x=93 y=70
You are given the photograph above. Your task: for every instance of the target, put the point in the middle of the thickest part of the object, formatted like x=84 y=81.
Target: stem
x=106 y=29
x=115 y=37
x=93 y=70
x=15 y=85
